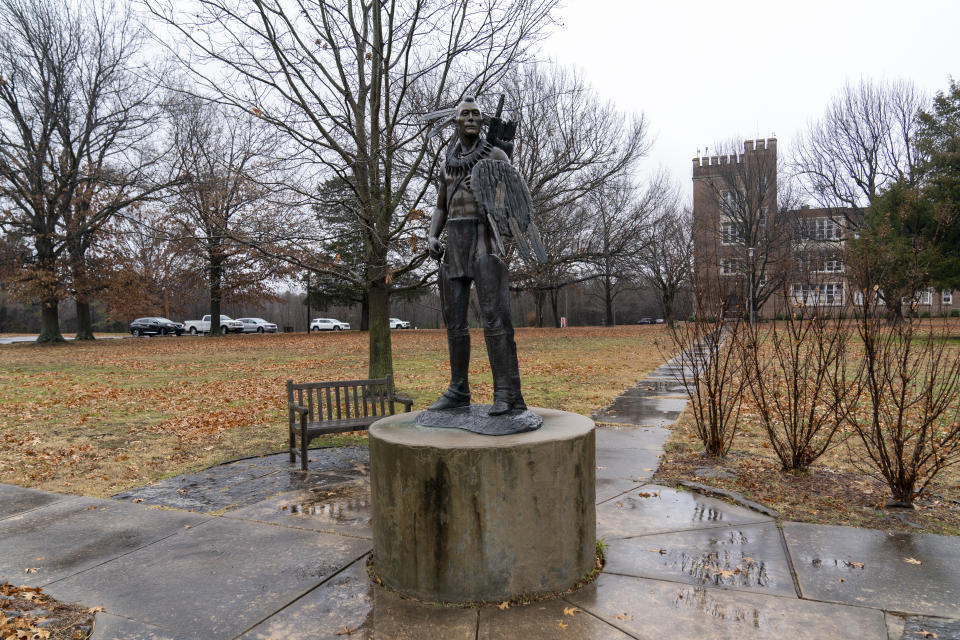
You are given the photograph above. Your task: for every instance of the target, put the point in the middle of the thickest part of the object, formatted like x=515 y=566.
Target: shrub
x=796 y=371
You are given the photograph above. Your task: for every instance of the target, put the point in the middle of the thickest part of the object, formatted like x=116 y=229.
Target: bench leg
x=303 y=443
x=293 y=443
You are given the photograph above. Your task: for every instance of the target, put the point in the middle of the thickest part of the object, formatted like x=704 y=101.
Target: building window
x=924 y=297
x=731 y=201
x=814 y=294
x=730 y=233
x=946 y=297
x=731 y=267
x=832 y=265
x=820 y=229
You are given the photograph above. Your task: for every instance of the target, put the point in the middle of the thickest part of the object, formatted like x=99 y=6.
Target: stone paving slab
x=551 y=620
x=626 y=457
x=70 y=536
x=901 y=572
x=658 y=509
x=657 y=609
x=749 y=558
x=338 y=508
x=14 y=500
x=111 y=627
x=213 y=580
x=349 y=606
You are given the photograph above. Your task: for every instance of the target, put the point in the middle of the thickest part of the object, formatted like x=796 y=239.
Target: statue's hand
x=435 y=248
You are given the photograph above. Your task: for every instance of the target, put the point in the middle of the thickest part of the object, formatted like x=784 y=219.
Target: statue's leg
x=455 y=297
x=493 y=292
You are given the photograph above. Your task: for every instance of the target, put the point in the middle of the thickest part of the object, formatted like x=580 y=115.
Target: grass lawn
x=96 y=419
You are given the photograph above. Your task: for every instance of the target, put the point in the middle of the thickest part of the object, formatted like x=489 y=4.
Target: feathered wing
x=504 y=198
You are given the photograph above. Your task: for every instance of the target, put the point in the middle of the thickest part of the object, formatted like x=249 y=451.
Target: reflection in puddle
x=725 y=569
x=349 y=504
x=703 y=513
x=700 y=599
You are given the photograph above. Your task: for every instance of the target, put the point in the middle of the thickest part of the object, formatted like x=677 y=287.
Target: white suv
x=328 y=324
x=397 y=323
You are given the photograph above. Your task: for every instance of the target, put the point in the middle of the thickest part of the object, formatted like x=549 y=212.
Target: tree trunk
x=608 y=300
x=538 y=306
x=84 y=320
x=381 y=351
x=50 y=322
x=365 y=313
x=554 y=305
x=215 y=294
x=668 y=309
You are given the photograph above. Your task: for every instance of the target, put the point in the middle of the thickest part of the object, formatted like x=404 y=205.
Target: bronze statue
x=481 y=200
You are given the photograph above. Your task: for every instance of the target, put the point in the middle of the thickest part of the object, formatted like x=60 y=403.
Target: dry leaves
x=623 y=616
x=912 y=561
x=569 y=611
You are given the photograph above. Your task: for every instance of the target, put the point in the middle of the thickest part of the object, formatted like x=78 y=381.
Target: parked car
x=397 y=323
x=328 y=324
x=257 y=325
x=155 y=327
x=645 y=321
x=227 y=325
x=659 y=321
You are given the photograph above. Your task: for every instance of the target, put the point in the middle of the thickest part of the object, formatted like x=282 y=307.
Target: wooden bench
x=317 y=408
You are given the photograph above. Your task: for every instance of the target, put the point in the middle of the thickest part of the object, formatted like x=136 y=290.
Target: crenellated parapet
x=705 y=165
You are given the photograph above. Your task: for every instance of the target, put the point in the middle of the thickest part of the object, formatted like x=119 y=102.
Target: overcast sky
x=704 y=72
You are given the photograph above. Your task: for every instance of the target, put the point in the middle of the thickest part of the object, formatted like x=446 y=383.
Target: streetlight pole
x=750 y=294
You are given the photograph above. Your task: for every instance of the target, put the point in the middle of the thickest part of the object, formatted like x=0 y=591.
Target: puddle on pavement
x=699 y=599
x=344 y=504
x=722 y=569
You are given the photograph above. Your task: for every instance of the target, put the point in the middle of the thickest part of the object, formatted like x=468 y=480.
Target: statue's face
x=469 y=120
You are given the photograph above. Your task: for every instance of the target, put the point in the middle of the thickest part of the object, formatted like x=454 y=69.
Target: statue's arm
x=499 y=154
x=439 y=219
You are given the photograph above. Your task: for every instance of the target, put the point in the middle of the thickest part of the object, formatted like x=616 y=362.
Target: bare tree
x=75 y=117
x=221 y=157
x=665 y=256
x=345 y=83
x=569 y=144
x=750 y=238
x=864 y=142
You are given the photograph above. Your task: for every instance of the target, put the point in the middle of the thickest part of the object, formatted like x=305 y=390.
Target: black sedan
x=155 y=327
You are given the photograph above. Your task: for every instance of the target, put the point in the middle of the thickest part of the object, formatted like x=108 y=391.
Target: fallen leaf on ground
x=619 y=505
x=655 y=550
x=94 y=609
x=31 y=569
x=855 y=565
x=561 y=625
x=913 y=561
x=569 y=611
x=503 y=605
x=927 y=634
x=346 y=632
x=623 y=616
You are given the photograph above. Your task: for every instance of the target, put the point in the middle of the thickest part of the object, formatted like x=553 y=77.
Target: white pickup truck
x=227 y=325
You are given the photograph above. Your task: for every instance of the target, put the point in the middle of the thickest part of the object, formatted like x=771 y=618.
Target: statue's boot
x=458 y=393
x=502 y=351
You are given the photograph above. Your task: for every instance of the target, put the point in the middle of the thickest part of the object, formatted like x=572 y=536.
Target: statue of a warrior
x=481 y=200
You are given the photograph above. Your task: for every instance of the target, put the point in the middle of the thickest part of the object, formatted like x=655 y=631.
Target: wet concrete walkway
x=255 y=549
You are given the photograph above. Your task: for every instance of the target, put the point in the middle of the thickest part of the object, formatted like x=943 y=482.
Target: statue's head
x=469 y=118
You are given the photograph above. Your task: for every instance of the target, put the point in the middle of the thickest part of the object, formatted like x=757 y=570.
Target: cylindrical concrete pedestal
x=459 y=516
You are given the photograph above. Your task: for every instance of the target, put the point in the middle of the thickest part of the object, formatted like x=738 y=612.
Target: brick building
x=750 y=246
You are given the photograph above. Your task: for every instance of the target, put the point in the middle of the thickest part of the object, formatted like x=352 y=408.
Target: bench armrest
x=295 y=408
x=404 y=400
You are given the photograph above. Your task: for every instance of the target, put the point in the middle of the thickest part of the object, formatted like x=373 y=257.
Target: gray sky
x=704 y=72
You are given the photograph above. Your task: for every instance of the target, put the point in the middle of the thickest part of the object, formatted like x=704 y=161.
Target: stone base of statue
x=462 y=517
